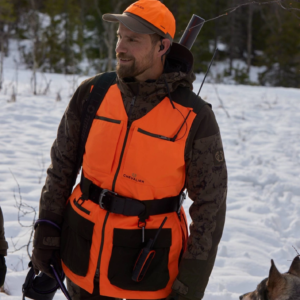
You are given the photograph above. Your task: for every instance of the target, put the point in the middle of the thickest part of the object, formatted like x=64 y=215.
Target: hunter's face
x=135 y=54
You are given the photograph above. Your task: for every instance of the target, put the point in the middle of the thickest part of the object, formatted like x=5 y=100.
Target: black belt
x=117 y=204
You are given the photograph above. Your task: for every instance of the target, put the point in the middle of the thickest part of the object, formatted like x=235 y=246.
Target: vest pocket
x=155 y=159
x=76 y=241
x=102 y=143
x=127 y=245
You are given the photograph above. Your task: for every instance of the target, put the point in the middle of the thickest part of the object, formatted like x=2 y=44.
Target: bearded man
x=124 y=232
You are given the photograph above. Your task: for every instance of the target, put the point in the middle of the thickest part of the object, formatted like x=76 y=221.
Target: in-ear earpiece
x=161 y=47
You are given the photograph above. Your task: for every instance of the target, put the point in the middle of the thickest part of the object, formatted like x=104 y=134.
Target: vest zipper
x=158 y=136
x=124 y=144
x=97 y=274
x=108 y=120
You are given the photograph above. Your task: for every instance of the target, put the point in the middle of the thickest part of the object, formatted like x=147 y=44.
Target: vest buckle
x=103 y=193
x=181 y=200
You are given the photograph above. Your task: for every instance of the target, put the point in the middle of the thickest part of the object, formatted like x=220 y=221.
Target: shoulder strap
x=90 y=108
x=185 y=97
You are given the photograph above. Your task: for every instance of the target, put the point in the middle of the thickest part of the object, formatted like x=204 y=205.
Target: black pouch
x=145 y=257
x=127 y=245
x=142 y=263
x=76 y=241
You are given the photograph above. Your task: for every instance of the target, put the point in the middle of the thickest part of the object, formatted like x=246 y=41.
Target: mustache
x=123 y=56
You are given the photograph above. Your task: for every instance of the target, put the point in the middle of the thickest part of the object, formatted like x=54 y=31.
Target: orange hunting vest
x=139 y=161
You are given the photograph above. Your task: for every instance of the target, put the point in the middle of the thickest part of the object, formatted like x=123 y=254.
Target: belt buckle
x=104 y=191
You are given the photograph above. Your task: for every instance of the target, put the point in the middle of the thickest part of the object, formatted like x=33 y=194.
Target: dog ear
x=275 y=277
x=295 y=267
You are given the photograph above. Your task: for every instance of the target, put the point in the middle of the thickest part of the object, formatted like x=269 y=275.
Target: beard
x=134 y=68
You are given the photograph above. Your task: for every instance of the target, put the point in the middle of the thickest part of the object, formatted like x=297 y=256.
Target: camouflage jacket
x=206 y=172
x=3 y=243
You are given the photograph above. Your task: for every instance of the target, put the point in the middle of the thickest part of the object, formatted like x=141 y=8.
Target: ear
x=166 y=45
x=275 y=277
x=295 y=267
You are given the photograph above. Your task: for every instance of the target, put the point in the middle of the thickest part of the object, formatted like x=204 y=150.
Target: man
x=3 y=250
x=150 y=139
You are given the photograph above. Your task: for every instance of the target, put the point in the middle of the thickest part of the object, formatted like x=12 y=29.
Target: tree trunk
x=109 y=31
x=231 y=43
x=1 y=59
x=34 y=29
x=216 y=23
x=249 y=38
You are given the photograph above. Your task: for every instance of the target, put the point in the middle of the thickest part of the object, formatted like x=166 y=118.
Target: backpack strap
x=185 y=97
x=90 y=108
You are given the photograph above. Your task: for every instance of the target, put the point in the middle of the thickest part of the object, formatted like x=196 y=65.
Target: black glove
x=42 y=258
x=44 y=254
x=2 y=270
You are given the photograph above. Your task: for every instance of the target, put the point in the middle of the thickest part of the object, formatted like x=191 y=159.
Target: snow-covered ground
x=261 y=134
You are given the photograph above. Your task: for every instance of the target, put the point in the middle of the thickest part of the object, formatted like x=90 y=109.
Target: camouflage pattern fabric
x=3 y=243
x=206 y=179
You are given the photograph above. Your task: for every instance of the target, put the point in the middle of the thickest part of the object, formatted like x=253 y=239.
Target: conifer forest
x=69 y=36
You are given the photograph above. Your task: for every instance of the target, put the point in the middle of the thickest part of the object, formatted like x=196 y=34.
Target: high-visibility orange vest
x=139 y=161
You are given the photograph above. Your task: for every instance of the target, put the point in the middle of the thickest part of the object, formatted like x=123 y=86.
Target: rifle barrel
x=191 y=32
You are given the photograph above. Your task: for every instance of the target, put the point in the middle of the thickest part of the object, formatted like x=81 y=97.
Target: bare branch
x=23 y=210
x=296 y=251
x=233 y=9
x=292 y=10
x=221 y=101
x=42 y=165
x=286 y=8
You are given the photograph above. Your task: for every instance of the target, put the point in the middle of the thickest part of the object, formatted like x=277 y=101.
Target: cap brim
x=129 y=22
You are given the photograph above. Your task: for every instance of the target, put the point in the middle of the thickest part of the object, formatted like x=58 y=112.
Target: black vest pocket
x=76 y=241
x=127 y=245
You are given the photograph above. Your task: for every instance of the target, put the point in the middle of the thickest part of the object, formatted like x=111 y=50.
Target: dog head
x=278 y=286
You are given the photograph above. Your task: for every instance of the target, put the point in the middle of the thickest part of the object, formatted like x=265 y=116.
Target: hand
x=2 y=270
x=42 y=258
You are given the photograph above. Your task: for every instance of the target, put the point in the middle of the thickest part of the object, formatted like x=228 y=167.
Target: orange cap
x=152 y=15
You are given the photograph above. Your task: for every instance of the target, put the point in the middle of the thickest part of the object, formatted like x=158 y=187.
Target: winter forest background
x=48 y=47
x=69 y=36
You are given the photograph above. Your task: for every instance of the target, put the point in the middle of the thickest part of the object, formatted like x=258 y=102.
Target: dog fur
x=278 y=286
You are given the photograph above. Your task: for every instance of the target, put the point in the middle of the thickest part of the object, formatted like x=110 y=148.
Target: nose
x=120 y=47
x=241 y=297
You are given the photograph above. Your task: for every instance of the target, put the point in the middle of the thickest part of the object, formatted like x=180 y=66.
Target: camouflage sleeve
x=207 y=187
x=3 y=243
x=59 y=174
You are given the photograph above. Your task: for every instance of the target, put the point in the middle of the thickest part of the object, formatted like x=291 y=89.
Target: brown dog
x=278 y=286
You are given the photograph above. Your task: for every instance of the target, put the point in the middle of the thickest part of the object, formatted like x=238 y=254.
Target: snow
x=261 y=143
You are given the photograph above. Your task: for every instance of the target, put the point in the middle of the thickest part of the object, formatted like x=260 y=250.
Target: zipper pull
x=97 y=273
x=132 y=101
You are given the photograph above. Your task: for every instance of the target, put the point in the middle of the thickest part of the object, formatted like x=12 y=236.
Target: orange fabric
x=96 y=214
x=151 y=168
x=155 y=13
x=91 y=88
